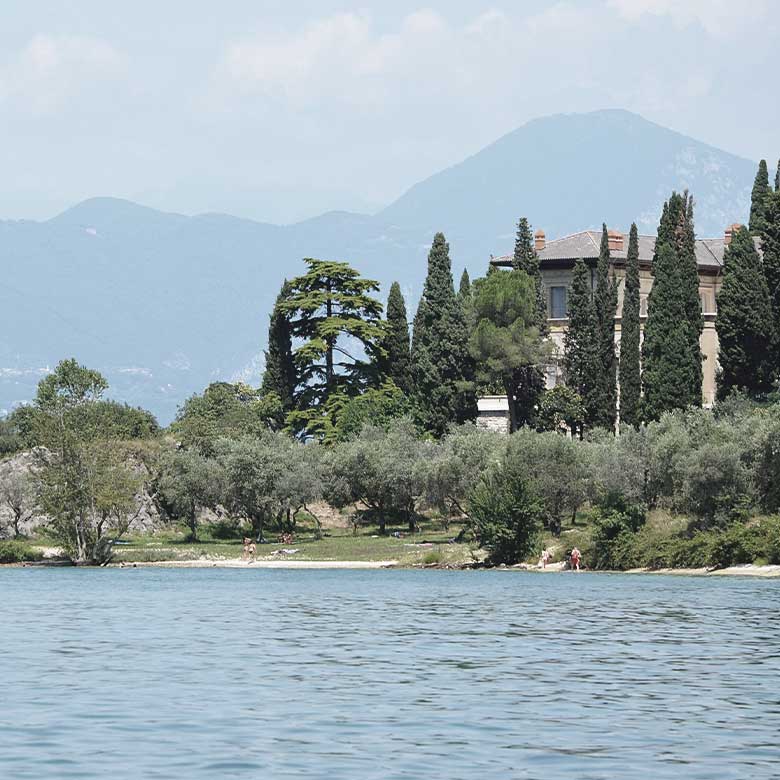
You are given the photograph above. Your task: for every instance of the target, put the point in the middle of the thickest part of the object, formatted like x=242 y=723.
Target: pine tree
x=744 y=322
x=396 y=363
x=630 y=375
x=580 y=355
x=280 y=376
x=758 y=199
x=525 y=259
x=442 y=368
x=672 y=370
x=604 y=401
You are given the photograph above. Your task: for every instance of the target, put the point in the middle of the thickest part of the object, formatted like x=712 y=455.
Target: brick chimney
x=615 y=238
x=730 y=230
x=539 y=240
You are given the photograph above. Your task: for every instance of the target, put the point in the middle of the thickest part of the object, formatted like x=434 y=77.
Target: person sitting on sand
x=576 y=556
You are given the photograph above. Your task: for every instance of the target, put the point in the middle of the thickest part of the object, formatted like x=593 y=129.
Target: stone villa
x=557 y=258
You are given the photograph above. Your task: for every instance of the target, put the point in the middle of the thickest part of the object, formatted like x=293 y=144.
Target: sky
x=278 y=111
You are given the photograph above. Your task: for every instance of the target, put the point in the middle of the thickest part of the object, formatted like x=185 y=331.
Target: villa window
x=643 y=306
x=558 y=308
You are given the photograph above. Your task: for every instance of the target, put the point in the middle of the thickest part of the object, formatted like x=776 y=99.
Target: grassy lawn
x=430 y=545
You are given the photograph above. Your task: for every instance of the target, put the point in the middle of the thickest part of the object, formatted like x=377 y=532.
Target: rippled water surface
x=206 y=673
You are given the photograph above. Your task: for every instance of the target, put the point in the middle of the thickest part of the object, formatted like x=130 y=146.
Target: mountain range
x=163 y=303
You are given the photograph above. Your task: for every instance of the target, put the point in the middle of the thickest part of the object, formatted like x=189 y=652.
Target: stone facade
x=493 y=413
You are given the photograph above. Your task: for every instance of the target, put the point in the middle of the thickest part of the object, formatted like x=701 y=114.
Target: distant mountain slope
x=164 y=303
x=572 y=172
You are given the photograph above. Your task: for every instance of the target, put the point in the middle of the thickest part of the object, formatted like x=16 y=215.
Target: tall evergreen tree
x=630 y=375
x=672 y=370
x=280 y=376
x=770 y=247
x=777 y=177
x=442 y=368
x=525 y=259
x=464 y=290
x=744 y=322
x=329 y=307
x=396 y=362
x=604 y=402
x=580 y=343
x=758 y=199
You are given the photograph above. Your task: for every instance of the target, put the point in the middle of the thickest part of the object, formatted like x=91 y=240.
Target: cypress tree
x=744 y=322
x=442 y=368
x=464 y=290
x=777 y=178
x=396 y=363
x=770 y=246
x=580 y=355
x=672 y=371
x=280 y=376
x=758 y=199
x=525 y=259
x=630 y=375
x=604 y=406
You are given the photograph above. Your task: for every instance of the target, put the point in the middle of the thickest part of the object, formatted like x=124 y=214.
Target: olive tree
x=18 y=497
x=382 y=468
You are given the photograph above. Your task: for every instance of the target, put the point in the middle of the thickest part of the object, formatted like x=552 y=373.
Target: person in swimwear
x=545 y=558
x=576 y=557
x=252 y=551
x=245 y=553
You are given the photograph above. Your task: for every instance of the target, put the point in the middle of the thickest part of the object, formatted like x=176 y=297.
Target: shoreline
x=767 y=571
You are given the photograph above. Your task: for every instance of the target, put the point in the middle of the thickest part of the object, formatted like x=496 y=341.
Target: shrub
x=13 y=551
x=506 y=515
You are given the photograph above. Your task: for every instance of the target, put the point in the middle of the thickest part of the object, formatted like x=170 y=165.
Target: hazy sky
x=281 y=110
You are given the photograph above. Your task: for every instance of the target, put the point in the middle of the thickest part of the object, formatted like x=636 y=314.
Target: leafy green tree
x=383 y=469
x=83 y=481
x=442 y=368
x=331 y=312
x=253 y=468
x=603 y=408
x=744 y=323
x=279 y=377
x=17 y=494
x=377 y=406
x=459 y=459
x=580 y=356
x=630 y=374
x=505 y=343
x=397 y=361
x=224 y=410
x=758 y=199
x=560 y=409
x=672 y=375
x=188 y=483
x=506 y=515
x=554 y=469
x=524 y=258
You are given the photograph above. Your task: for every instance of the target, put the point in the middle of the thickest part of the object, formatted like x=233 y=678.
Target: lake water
x=351 y=675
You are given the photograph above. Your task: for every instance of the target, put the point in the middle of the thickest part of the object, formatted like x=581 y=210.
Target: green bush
x=13 y=551
x=506 y=515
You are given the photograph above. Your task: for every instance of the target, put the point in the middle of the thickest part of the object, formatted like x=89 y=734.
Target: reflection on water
x=212 y=673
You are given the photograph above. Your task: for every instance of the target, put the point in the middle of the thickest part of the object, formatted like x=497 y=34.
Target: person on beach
x=252 y=551
x=245 y=553
x=545 y=558
x=576 y=556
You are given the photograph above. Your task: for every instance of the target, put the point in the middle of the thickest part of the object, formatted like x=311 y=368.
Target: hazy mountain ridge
x=164 y=303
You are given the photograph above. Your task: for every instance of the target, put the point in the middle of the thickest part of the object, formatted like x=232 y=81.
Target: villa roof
x=585 y=245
